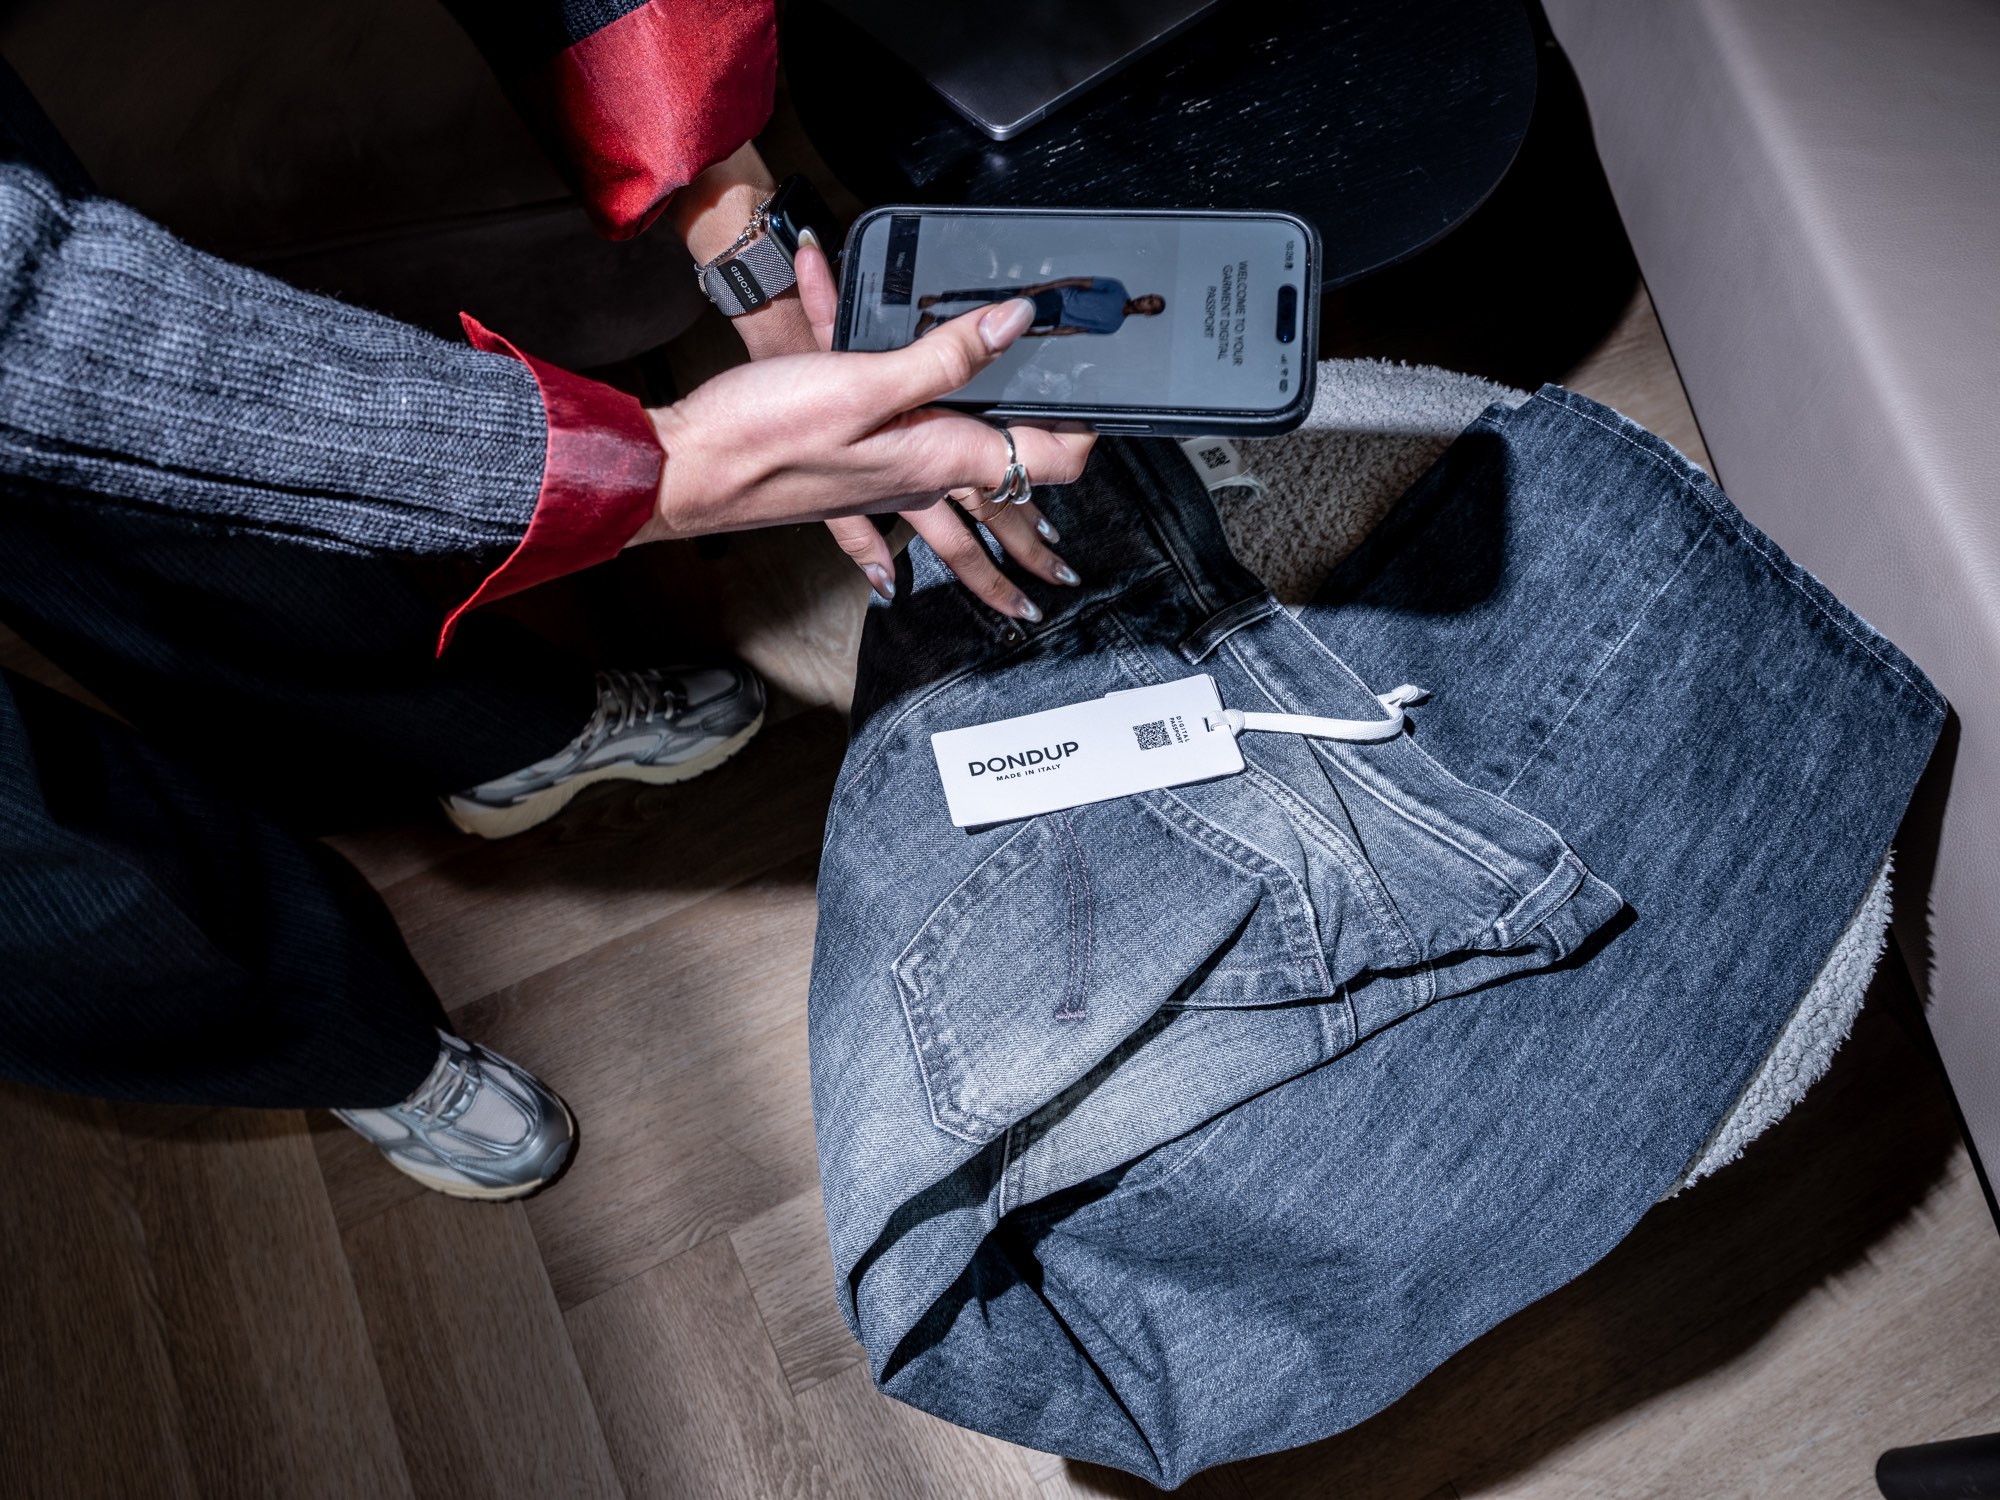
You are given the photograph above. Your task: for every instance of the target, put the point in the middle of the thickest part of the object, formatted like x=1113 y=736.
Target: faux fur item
x=1312 y=495
x=1807 y=1044
x=1309 y=498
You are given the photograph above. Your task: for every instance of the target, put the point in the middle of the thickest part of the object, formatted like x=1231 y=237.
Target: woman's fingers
x=964 y=456
x=1052 y=457
x=949 y=450
x=958 y=547
x=868 y=550
x=934 y=449
x=899 y=380
x=1025 y=534
x=817 y=292
x=1022 y=530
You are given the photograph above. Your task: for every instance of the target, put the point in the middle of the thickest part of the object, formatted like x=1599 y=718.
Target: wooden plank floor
x=224 y=1304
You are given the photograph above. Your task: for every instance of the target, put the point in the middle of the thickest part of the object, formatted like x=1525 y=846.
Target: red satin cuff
x=640 y=107
x=600 y=479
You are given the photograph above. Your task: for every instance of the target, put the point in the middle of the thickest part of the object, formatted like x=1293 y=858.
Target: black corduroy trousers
x=200 y=472
x=167 y=930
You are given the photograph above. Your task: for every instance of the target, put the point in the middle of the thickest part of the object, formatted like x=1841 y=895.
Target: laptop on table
x=1005 y=66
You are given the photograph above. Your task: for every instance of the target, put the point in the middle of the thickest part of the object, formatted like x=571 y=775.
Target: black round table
x=1385 y=122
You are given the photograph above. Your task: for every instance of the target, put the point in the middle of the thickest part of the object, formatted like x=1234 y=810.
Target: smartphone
x=1145 y=320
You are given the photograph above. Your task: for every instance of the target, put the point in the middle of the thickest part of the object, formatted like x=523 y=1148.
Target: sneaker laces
x=446 y=1094
x=627 y=698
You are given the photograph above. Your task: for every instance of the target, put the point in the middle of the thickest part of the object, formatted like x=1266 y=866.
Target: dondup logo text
x=1022 y=760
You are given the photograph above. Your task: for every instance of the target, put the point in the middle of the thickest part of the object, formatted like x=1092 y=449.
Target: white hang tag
x=1137 y=740
x=1216 y=459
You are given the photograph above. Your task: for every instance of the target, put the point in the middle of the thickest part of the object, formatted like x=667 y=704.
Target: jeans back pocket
x=1074 y=931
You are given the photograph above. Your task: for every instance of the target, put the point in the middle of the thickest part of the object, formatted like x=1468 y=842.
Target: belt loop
x=1218 y=627
x=1182 y=518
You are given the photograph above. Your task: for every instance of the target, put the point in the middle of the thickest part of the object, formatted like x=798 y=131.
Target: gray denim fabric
x=1205 y=1122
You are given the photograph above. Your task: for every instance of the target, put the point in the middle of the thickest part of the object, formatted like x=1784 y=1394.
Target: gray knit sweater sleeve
x=136 y=371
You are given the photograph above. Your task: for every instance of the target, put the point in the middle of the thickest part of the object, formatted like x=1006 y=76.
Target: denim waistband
x=1139 y=511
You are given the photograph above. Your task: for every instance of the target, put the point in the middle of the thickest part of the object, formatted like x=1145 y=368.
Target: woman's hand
x=1021 y=529
x=806 y=437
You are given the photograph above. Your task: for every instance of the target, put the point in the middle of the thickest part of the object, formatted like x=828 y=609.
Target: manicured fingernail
x=1047 y=531
x=879 y=580
x=1027 y=609
x=807 y=237
x=1066 y=574
x=1000 y=326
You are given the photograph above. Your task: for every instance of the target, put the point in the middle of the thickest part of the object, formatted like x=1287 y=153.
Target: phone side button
x=1122 y=429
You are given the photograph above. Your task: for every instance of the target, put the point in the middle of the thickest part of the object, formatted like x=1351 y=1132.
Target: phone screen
x=1137 y=312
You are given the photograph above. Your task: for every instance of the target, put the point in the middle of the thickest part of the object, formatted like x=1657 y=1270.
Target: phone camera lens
x=1288 y=314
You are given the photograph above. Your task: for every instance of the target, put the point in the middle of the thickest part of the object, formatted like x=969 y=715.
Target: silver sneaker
x=478 y=1127
x=656 y=725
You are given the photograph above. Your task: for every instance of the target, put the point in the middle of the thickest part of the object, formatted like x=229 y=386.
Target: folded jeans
x=1142 y=1139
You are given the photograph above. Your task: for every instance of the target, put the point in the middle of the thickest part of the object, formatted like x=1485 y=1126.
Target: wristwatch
x=758 y=266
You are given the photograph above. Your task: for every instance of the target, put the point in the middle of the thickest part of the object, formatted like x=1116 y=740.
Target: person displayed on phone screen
x=1075 y=304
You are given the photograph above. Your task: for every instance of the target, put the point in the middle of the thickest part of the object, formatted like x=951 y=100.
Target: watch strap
x=749 y=279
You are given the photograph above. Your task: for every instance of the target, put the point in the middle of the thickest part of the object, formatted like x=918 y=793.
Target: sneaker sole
x=505 y=822
x=476 y=1194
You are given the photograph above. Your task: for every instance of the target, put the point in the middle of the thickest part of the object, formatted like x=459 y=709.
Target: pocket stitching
x=1075 y=999
x=950 y=1089
x=1361 y=874
x=1284 y=888
x=956 y=1103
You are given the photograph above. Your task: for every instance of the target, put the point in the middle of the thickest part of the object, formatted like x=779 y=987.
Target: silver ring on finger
x=1015 y=486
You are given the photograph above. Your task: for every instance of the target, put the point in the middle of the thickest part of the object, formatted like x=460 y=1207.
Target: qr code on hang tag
x=1152 y=736
x=1214 y=455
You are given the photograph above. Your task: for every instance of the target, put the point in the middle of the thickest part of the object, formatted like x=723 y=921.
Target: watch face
x=798 y=206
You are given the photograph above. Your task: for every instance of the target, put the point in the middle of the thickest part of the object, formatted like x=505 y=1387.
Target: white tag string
x=1355 y=731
